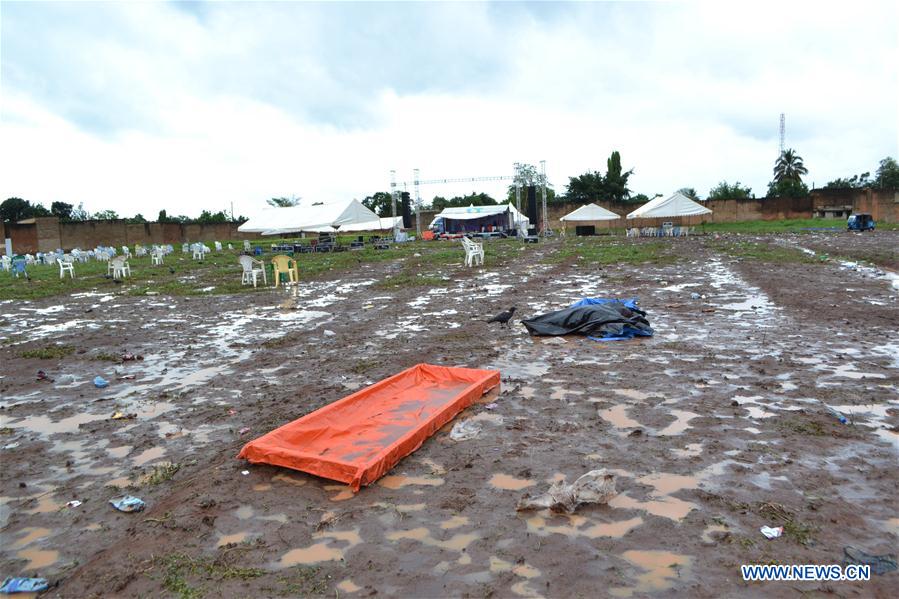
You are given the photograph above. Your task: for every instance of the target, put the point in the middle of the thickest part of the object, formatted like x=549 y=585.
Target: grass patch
x=160 y=474
x=363 y=366
x=303 y=581
x=104 y=357
x=614 y=250
x=801 y=427
x=278 y=342
x=51 y=352
x=178 y=568
x=793 y=528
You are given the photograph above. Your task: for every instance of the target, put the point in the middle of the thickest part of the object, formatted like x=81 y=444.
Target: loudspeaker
x=532 y=205
x=407 y=210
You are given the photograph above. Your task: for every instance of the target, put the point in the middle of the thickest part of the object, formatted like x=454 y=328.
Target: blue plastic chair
x=18 y=267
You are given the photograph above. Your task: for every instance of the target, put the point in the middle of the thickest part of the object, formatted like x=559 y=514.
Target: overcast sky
x=192 y=106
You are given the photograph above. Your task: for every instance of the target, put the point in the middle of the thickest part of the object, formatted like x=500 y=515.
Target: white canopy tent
x=475 y=212
x=309 y=217
x=676 y=205
x=588 y=213
x=379 y=224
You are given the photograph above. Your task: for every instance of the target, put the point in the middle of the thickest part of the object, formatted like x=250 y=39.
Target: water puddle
x=148 y=455
x=38 y=558
x=632 y=394
x=580 y=526
x=454 y=522
x=661 y=569
x=617 y=417
x=236 y=538
x=348 y=586
x=398 y=481
x=31 y=535
x=681 y=423
x=507 y=482
x=326 y=551
x=710 y=530
x=458 y=542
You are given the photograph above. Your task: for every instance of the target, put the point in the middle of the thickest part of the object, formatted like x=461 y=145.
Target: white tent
x=309 y=217
x=473 y=212
x=379 y=224
x=676 y=205
x=589 y=212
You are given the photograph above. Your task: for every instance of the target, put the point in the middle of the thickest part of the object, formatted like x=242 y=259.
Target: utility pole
x=783 y=130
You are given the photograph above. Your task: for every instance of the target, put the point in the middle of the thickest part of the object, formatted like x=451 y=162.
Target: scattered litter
x=555 y=341
x=100 y=382
x=42 y=376
x=416 y=255
x=838 y=415
x=772 y=533
x=465 y=430
x=12 y=445
x=129 y=357
x=232 y=412
x=245 y=472
x=880 y=564
x=596 y=486
x=122 y=416
x=243 y=431
x=128 y=503
x=126 y=377
x=24 y=585
x=74 y=503
x=694 y=296
x=329 y=333
x=490 y=406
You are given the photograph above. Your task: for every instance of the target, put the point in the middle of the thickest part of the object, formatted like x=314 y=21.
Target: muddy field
x=714 y=427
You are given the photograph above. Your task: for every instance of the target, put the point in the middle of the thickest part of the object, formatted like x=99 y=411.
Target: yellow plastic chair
x=287 y=265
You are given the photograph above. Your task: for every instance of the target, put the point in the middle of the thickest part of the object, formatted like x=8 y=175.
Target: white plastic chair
x=251 y=270
x=5 y=263
x=198 y=252
x=185 y=249
x=474 y=252
x=230 y=247
x=218 y=246
x=140 y=251
x=66 y=266
x=156 y=257
x=246 y=246
x=120 y=267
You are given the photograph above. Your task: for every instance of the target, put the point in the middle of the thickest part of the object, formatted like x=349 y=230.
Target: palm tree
x=789 y=167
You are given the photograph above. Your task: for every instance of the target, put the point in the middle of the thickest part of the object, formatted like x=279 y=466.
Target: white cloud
x=142 y=107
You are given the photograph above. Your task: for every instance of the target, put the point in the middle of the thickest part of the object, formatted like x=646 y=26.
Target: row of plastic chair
x=660 y=232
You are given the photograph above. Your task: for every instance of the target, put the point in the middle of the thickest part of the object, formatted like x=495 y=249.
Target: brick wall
x=47 y=234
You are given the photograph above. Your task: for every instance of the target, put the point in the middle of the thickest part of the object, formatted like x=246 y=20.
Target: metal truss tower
x=783 y=131
x=417 y=202
x=393 y=192
x=546 y=229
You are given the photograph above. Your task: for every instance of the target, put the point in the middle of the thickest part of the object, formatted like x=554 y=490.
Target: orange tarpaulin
x=357 y=439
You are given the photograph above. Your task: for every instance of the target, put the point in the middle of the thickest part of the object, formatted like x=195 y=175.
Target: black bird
x=503 y=317
x=171 y=270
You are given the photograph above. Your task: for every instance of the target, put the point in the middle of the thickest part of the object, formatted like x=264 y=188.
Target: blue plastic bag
x=128 y=503
x=24 y=585
x=100 y=382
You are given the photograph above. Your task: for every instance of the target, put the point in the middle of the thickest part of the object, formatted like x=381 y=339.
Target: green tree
x=206 y=217
x=16 y=209
x=164 y=217
x=284 y=202
x=787 y=188
x=888 y=174
x=137 y=219
x=439 y=203
x=593 y=186
x=106 y=215
x=854 y=182
x=472 y=199
x=789 y=167
x=62 y=210
x=690 y=192
x=725 y=191
x=381 y=204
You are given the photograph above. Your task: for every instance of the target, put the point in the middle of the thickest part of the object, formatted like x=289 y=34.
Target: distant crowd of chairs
x=663 y=231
